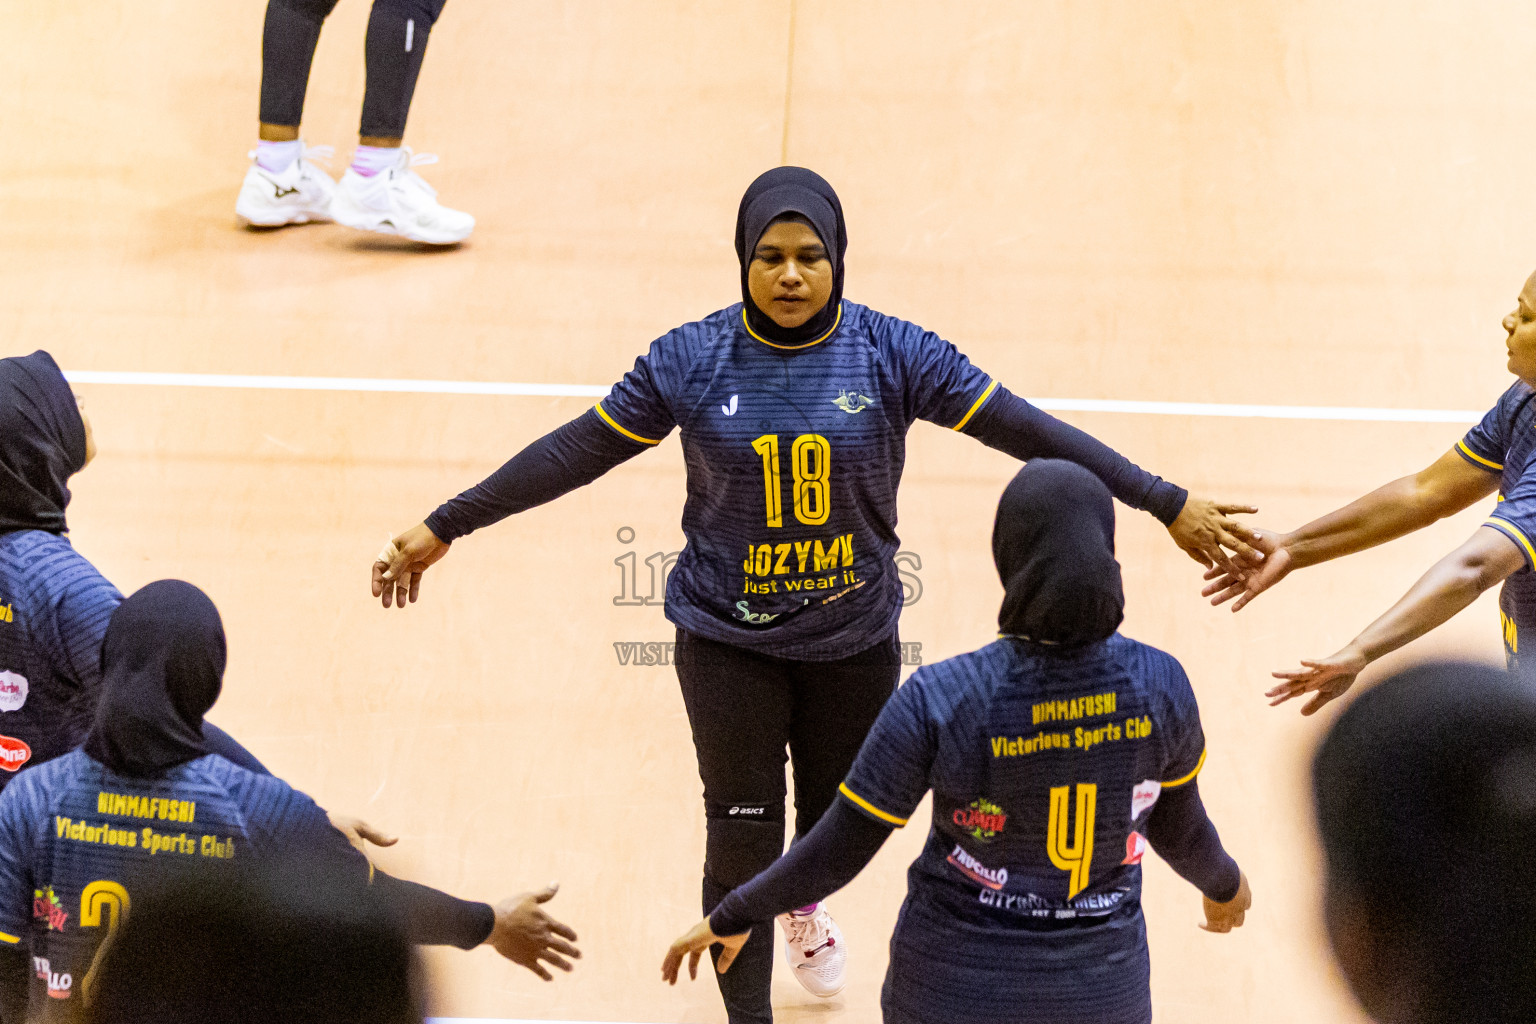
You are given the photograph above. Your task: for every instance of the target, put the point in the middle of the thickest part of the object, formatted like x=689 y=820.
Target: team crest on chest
x=851 y=401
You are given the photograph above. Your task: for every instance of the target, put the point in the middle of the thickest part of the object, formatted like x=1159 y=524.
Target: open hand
x=1325 y=679
x=699 y=938
x=1206 y=534
x=1223 y=917
x=398 y=568
x=524 y=934
x=1276 y=566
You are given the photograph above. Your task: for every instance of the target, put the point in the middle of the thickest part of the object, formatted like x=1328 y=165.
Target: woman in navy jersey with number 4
x=794 y=406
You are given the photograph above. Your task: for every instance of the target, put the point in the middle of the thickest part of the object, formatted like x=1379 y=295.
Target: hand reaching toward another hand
x=1276 y=566
x=398 y=568
x=524 y=934
x=699 y=938
x=359 y=833
x=1205 y=533
x=1325 y=679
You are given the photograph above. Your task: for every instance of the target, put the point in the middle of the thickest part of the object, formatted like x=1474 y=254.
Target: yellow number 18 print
x=810 y=459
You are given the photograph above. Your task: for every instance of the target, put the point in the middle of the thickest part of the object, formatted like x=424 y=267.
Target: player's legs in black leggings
x=745 y=709
x=396 y=44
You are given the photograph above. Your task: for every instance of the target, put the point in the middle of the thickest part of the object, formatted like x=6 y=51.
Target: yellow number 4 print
x=1073 y=855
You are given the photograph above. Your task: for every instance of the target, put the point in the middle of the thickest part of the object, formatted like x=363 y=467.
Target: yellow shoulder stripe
x=13 y=940
x=1179 y=782
x=1512 y=531
x=1461 y=446
x=975 y=405
x=842 y=787
x=614 y=424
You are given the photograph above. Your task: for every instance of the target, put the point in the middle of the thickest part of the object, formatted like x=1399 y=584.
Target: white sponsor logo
x=851 y=401
x=13 y=691
x=746 y=810
x=729 y=410
x=1144 y=796
x=976 y=871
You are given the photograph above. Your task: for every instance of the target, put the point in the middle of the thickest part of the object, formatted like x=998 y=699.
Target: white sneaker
x=399 y=202
x=299 y=195
x=813 y=945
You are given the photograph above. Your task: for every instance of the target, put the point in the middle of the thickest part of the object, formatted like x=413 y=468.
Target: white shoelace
x=807 y=932
x=409 y=160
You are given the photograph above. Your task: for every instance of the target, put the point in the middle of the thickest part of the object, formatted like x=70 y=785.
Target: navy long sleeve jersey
x=54 y=610
x=794 y=457
x=1505 y=443
x=1044 y=766
x=75 y=838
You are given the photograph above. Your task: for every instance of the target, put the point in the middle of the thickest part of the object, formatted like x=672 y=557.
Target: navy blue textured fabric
x=1045 y=765
x=1505 y=443
x=54 y=611
x=75 y=838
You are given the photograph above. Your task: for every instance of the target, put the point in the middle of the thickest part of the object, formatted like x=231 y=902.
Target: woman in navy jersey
x=1499 y=454
x=793 y=406
x=1056 y=756
x=54 y=605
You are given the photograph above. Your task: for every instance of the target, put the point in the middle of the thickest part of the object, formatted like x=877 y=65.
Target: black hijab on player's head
x=162 y=666
x=1054 y=545
x=775 y=194
x=1425 y=792
x=42 y=443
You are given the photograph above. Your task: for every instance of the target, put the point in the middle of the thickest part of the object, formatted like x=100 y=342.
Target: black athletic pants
x=745 y=709
x=396 y=45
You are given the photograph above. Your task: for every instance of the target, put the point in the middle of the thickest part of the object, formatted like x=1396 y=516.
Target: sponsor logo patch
x=1144 y=796
x=976 y=871
x=46 y=907
x=851 y=401
x=1135 y=847
x=981 y=820
x=59 y=984
x=13 y=691
x=13 y=753
x=747 y=811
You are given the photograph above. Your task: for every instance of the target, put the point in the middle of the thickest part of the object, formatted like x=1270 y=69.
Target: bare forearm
x=1387 y=513
x=1450 y=585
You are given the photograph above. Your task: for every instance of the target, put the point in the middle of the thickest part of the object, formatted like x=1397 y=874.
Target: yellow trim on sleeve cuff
x=805 y=344
x=974 y=406
x=842 y=787
x=1512 y=531
x=1179 y=782
x=13 y=940
x=1461 y=446
x=614 y=424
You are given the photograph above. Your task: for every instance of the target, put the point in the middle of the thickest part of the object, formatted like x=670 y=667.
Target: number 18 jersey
x=794 y=455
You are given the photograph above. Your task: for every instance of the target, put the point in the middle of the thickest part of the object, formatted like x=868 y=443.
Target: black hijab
x=42 y=443
x=775 y=193
x=162 y=665
x=1054 y=545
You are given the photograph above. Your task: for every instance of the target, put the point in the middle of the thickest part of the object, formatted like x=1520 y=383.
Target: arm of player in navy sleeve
x=1010 y=424
x=830 y=856
x=1183 y=835
x=82 y=611
x=299 y=827
x=14 y=979
x=434 y=917
x=16 y=890
x=559 y=462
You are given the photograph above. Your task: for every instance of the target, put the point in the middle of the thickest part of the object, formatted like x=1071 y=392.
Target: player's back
x=1046 y=763
x=77 y=840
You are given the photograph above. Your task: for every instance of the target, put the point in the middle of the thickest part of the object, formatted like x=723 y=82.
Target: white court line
x=477 y=387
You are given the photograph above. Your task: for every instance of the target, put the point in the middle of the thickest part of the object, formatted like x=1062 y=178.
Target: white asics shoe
x=299 y=195
x=398 y=202
x=813 y=945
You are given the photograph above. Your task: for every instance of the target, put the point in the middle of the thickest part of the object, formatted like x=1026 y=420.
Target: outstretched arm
x=1446 y=487
x=559 y=462
x=1199 y=526
x=1183 y=835
x=828 y=858
x=1453 y=583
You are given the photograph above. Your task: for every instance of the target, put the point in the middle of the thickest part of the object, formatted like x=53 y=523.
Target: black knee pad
x=424 y=12
x=313 y=10
x=741 y=840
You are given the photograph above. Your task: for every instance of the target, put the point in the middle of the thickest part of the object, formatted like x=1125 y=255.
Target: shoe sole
x=385 y=226
x=279 y=220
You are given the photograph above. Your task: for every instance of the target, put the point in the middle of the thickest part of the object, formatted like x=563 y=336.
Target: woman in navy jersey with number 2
x=794 y=406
